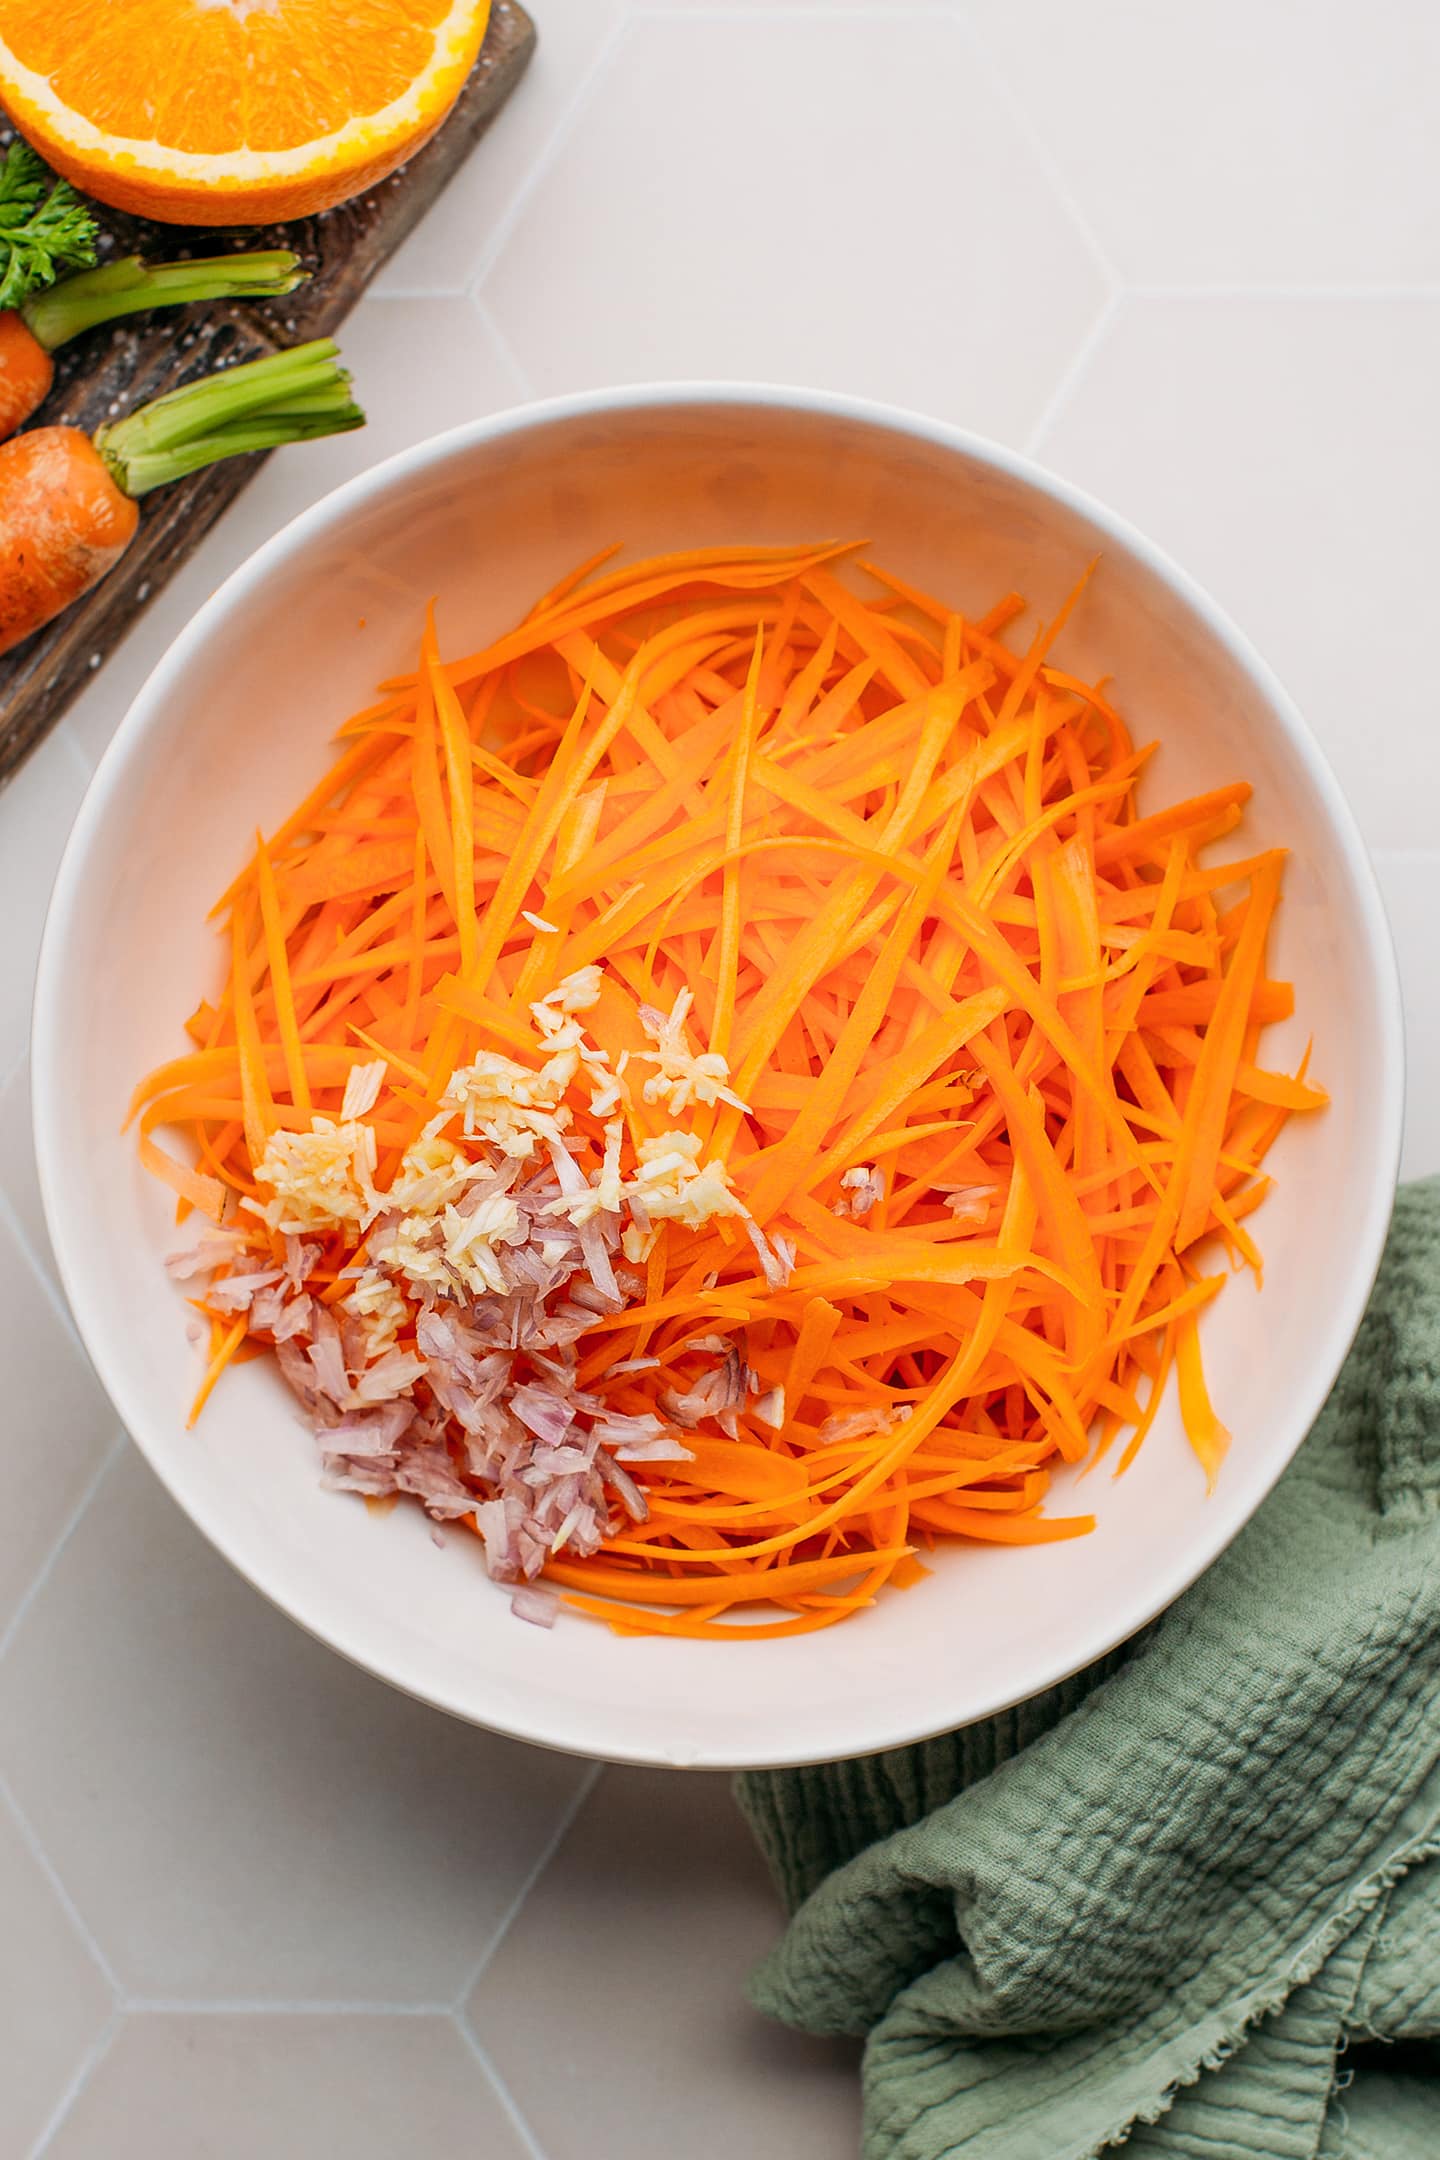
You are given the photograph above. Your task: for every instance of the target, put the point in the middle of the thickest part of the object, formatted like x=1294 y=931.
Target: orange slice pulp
x=219 y=112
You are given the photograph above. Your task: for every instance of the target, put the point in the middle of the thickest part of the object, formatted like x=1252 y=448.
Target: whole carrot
x=26 y=371
x=68 y=503
x=30 y=333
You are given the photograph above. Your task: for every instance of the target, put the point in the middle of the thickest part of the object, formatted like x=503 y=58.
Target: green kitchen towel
x=1178 y=1900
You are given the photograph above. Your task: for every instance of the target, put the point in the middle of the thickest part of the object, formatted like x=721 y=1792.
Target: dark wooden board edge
x=121 y=367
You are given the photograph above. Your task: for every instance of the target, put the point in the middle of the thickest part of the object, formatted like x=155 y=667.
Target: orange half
x=221 y=112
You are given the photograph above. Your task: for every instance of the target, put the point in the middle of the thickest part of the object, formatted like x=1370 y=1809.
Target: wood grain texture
x=117 y=368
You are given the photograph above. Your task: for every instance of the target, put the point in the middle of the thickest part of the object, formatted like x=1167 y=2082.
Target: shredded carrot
x=224 y=1346
x=983 y=1046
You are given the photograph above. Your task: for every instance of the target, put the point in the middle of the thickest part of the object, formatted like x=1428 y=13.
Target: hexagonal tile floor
x=253 y=1902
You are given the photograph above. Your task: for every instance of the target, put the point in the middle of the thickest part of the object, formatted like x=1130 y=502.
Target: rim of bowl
x=142 y=717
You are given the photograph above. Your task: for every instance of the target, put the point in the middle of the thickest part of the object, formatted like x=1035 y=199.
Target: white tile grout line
x=1039 y=149
x=505 y=352
x=613 y=41
x=85 y=771
x=1060 y=396
x=1143 y=289
x=797 y=11
x=47 y=1566
x=501 y=2090
x=467 y=2031
x=109 y=2032
x=62 y=1896
x=51 y=1289
x=132 y=2005
x=471 y=274
x=556 y=1839
x=261 y=2006
x=89 y=2064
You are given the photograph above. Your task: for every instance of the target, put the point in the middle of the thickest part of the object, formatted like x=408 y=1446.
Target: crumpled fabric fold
x=1183 y=1899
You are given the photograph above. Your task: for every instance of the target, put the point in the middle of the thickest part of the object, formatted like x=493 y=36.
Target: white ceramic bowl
x=233 y=726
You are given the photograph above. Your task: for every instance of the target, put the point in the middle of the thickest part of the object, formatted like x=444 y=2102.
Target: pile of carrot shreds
x=834 y=916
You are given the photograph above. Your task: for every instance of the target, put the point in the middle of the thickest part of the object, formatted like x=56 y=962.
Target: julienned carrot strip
x=728 y=949
x=221 y=1355
x=426 y=789
x=1279 y=1088
x=278 y=962
x=863 y=1023
x=900 y=1079
x=991 y=1529
x=871 y=635
x=998 y=1036
x=1207 y=1435
x=624 y=1620
x=667 y=1590
x=259 y=1104
x=455 y=737
x=1221 y=1055
x=644 y=585
x=189 y=1186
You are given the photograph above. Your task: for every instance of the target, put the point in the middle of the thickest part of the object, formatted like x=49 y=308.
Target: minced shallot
x=444 y=1364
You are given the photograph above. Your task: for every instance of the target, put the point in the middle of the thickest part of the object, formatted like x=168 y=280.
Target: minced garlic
x=319 y=1178
x=433 y=1171
x=671 y=1183
x=470 y=1241
x=682 y=1076
x=606 y=1192
x=508 y=1104
x=574 y=993
x=569 y=1049
x=428 y=1237
x=381 y=1310
x=411 y=1251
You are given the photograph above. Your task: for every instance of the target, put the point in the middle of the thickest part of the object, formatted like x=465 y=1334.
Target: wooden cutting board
x=121 y=366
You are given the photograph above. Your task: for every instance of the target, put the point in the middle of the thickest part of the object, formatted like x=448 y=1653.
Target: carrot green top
x=286 y=397
x=125 y=287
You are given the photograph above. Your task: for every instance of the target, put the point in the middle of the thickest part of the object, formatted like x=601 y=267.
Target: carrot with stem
x=68 y=503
